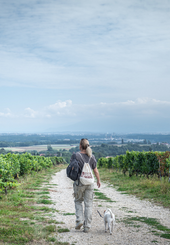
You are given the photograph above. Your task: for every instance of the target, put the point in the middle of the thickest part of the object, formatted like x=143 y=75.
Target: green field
x=39 y=148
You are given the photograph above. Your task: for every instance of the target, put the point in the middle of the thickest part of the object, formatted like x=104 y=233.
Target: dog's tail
x=110 y=212
x=99 y=213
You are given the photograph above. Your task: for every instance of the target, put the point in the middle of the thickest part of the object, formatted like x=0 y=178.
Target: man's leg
x=79 y=198
x=88 y=202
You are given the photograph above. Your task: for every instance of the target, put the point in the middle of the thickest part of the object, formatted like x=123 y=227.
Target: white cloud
x=67 y=109
x=129 y=102
x=60 y=105
x=6 y=113
x=129 y=115
x=141 y=107
x=60 y=108
x=30 y=113
x=161 y=102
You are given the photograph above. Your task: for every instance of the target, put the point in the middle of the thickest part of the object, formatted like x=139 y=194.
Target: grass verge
x=152 y=189
x=159 y=230
x=21 y=221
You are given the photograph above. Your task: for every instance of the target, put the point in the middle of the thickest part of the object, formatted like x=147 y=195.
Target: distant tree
x=34 y=152
x=49 y=148
x=145 y=142
x=2 y=151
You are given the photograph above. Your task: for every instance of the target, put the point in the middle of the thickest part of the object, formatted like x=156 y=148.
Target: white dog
x=109 y=218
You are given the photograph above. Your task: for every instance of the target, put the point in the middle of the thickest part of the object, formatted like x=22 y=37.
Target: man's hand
x=97 y=176
x=98 y=184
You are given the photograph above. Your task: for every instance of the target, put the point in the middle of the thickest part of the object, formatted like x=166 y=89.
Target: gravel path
x=124 y=206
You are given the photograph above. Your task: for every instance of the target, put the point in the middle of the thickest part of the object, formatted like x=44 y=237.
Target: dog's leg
x=109 y=224
x=105 y=226
x=112 y=225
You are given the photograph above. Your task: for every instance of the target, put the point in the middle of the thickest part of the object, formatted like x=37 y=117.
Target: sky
x=91 y=66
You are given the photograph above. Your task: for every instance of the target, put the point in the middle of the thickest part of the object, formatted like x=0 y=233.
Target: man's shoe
x=86 y=230
x=78 y=225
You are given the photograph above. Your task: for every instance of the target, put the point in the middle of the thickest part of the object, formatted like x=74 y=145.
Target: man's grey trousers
x=83 y=193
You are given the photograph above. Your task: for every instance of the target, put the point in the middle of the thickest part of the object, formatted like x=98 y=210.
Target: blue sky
x=74 y=65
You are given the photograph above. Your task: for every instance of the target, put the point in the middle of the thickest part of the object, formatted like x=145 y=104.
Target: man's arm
x=97 y=176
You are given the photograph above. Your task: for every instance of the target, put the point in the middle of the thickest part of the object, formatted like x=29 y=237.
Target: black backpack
x=73 y=169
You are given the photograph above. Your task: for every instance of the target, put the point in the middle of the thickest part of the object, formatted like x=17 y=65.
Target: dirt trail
x=124 y=206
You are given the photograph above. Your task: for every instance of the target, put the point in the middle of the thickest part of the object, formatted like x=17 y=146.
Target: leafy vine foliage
x=12 y=166
x=139 y=163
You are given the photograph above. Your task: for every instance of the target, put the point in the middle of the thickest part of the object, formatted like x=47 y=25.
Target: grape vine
x=12 y=166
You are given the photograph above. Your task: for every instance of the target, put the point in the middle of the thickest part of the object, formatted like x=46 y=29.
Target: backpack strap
x=83 y=159
x=79 y=171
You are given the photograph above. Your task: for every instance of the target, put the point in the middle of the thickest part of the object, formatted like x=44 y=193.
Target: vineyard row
x=139 y=163
x=12 y=166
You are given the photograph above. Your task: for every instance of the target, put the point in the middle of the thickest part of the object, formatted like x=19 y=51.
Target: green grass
x=151 y=189
x=154 y=223
x=45 y=209
x=101 y=196
x=44 y=201
x=167 y=236
x=50 y=228
x=59 y=222
x=52 y=184
x=122 y=189
x=61 y=243
x=20 y=221
x=63 y=230
x=41 y=192
x=51 y=239
x=68 y=214
x=45 y=196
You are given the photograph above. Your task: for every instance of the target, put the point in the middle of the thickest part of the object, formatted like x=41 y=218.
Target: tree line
x=105 y=150
x=99 y=151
